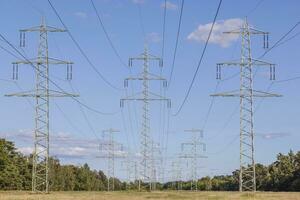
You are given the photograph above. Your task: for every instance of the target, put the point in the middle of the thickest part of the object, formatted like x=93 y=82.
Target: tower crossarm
x=236 y=93
x=45 y=28
x=252 y=62
x=52 y=93
x=249 y=29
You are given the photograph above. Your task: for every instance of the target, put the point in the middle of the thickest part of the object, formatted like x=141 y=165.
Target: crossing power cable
x=141 y=21
x=218 y=83
x=200 y=61
x=235 y=138
x=107 y=35
x=276 y=44
x=164 y=30
x=55 y=84
x=82 y=51
x=176 y=43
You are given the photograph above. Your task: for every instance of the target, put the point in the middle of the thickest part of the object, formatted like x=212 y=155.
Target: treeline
x=15 y=174
x=281 y=175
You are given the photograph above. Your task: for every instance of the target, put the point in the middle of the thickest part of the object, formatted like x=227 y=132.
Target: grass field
x=15 y=195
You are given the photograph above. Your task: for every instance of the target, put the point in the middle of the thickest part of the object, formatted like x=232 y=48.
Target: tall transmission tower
x=128 y=168
x=193 y=154
x=157 y=170
x=177 y=173
x=146 y=96
x=159 y=162
x=41 y=93
x=110 y=147
x=247 y=181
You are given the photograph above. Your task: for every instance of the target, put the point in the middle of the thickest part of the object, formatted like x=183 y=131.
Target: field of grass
x=16 y=195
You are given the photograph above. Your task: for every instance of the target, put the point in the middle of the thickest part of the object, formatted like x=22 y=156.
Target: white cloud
x=153 y=37
x=268 y=136
x=217 y=36
x=138 y=1
x=25 y=150
x=81 y=14
x=169 y=5
x=71 y=152
x=62 y=145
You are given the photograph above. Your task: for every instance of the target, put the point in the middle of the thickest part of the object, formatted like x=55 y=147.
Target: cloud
x=217 y=36
x=76 y=151
x=63 y=145
x=269 y=136
x=81 y=14
x=138 y=1
x=153 y=37
x=25 y=150
x=169 y=5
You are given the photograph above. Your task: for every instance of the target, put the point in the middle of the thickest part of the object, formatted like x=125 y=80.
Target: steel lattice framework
x=40 y=171
x=146 y=96
x=110 y=147
x=247 y=180
x=177 y=174
x=193 y=154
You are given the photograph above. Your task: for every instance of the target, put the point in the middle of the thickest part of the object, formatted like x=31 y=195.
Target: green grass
x=168 y=195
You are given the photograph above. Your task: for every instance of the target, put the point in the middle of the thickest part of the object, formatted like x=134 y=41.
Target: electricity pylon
x=177 y=174
x=146 y=96
x=110 y=147
x=247 y=181
x=156 y=164
x=127 y=167
x=41 y=93
x=159 y=162
x=193 y=155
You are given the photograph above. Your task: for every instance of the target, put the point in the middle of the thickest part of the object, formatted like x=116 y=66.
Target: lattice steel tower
x=146 y=96
x=247 y=181
x=41 y=93
x=110 y=146
x=177 y=174
x=193 y=155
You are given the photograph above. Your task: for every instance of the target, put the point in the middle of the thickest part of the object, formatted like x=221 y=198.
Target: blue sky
x=276 y=120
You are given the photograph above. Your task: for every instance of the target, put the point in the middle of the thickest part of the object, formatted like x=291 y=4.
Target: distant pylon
x=247 y=180
x=193 y=155
x=146 y=97
x=110 y=147
x=41 y=93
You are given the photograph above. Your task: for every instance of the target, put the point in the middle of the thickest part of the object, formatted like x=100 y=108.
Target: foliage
x=281 y=175
x=15 y=174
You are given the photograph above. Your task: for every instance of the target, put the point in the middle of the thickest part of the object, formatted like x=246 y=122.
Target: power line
x=141 y=21
x=164 y=30
x=257 y=107
x=9 y=52
x=231 y=77
x=162 y=114
x=82 y=51
x=200 y=61
x=176 y=44
x=84 y=115
x=222 y=150
x=288 y=39
x=107 y=35
x=58 y=107
x=255 y=7
x=55 y=84
x=270 y=85
x=278 y=42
